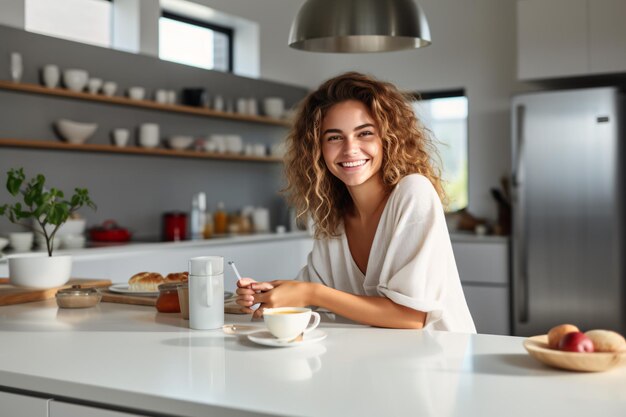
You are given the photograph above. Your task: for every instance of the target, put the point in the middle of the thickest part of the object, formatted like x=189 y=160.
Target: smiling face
x=351 y=145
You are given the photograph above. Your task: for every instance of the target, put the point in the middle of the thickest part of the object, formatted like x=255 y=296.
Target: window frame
x=229 y=32
x=451 y=93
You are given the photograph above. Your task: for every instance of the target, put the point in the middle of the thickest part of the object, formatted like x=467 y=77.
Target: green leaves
x=15 y=179
x=44 y=206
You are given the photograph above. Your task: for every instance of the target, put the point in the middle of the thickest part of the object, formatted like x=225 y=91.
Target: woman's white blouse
x=411 y=260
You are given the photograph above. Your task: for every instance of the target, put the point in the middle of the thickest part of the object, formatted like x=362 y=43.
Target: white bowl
x=75 y=132
x=180 y=142
x=75 y=79
x=39 y=271
x=3 y=243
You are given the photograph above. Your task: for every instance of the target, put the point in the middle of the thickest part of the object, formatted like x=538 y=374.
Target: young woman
x=358 y=162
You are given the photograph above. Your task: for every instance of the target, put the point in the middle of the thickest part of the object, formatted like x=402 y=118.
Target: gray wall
x=135 y=190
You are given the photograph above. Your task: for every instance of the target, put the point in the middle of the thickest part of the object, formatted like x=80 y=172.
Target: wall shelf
x=132 y=150
x=145 y=104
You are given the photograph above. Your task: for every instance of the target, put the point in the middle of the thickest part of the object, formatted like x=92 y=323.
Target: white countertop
x=131 y=357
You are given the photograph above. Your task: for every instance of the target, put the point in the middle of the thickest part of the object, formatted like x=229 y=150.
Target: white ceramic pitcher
x=206 y=292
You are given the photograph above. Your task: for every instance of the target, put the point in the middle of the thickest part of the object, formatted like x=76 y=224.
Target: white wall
x=474 y=47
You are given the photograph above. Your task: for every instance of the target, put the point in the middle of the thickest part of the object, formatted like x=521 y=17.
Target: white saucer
x=263 y=337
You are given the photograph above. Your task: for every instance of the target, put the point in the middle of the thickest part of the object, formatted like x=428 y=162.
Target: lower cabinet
x=61 y=409
x=18 y=405
x=483 y=264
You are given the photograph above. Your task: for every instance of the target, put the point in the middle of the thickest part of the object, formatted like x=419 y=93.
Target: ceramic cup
x=149 y=135
x=51 y=75
x=21 y=241
x=136 y=93
x=171 y=97
x=17 y=67
x=109 y=88
x=160 y=96
x=287 y=323
x=94 y=85
x=121 y=137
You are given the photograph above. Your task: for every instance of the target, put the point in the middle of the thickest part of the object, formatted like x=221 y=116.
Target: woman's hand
x=280 y=294
x=245 y=293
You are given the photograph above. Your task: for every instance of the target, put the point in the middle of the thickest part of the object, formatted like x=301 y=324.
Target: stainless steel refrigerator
x=567 y=245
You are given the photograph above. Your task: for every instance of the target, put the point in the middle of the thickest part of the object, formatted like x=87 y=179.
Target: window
x=87 y=21
x=193 y=42
x=445 y=115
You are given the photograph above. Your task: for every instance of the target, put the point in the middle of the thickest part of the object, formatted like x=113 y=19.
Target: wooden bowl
x=537 y=347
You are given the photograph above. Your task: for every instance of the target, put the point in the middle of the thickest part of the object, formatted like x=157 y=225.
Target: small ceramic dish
x=78 y=297
x=537 y=347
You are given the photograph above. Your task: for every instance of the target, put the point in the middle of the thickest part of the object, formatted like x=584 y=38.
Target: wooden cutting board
x=112 y=297
x=10 y=294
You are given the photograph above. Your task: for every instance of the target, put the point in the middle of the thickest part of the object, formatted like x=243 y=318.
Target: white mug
x=171 y=96
x=109 y=88
x=261 y=220
x=149 y=135
x=17 y=67
x=121 y=137
x=287 y=323
x=51 y=75
x=93 y=85
x=206 y=292
x=161 y=96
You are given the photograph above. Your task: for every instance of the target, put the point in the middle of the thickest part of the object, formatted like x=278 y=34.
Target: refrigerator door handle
x=520 y=273
x=520 y=111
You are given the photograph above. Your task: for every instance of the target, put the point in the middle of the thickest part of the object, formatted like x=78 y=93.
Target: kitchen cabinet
x=18 y=405
x=563 y=38
x=483 y=265
x=63 y=409
x=607 y=36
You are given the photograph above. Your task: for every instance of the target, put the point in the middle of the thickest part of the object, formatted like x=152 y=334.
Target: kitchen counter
x=132 y=359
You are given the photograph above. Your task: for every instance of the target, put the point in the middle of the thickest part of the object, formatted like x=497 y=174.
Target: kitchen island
x=122 y=360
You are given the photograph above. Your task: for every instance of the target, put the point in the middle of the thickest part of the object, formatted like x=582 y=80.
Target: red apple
x=576 y=342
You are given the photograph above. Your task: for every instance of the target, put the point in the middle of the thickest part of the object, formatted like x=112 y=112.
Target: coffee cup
x=109 y=88
x=51 y=74
x=287 y=323
x=121 y=137
x=149 y=135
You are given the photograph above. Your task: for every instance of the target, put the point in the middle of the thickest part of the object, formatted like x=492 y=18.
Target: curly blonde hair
x=407 y=148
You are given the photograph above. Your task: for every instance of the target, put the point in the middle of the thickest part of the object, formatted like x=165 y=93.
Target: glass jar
x=167 y=302
x=78 y=297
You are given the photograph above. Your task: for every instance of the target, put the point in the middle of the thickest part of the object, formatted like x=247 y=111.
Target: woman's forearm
x=374 y=311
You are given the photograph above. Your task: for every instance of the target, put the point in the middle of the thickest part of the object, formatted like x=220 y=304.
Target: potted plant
x=49 y=210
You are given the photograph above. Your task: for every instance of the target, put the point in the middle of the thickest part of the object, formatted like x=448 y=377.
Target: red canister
x=174 y=226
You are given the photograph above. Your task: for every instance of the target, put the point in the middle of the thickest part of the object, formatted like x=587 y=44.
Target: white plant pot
x=39 y=271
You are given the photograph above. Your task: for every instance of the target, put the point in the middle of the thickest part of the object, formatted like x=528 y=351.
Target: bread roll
x=556 y=333
x=145 y=281
x=177 y=277
x=606 y=341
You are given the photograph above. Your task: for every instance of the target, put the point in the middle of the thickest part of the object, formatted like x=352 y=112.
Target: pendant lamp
x=346 y=26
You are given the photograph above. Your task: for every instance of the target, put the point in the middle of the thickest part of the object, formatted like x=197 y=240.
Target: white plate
x=264 y=337
x=123 y=289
